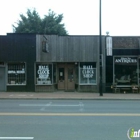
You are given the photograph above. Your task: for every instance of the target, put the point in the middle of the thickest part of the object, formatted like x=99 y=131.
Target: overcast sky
x=81 y=17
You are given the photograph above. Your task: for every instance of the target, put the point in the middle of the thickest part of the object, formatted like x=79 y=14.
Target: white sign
x=16 y=72
x=88 y=71
x=125 y=60
x=109 y=46
x=43 y=72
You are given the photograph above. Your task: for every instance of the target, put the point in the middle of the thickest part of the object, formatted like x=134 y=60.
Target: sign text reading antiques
x=125 y=60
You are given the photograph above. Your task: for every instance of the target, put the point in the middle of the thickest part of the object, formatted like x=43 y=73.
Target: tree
x=50 y=24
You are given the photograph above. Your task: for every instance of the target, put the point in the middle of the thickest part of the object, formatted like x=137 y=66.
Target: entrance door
x=61 y=78
x=2 y=79
x=70 y=78
x=66 y=74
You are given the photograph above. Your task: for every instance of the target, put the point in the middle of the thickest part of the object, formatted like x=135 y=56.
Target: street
x=68 y=119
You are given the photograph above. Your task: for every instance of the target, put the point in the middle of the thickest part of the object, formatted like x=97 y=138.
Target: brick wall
x=126 y=42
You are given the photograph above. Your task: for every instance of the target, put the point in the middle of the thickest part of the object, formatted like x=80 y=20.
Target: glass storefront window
x=43 y=74
x=87 y=73
x=125 y=71
x=16 y=74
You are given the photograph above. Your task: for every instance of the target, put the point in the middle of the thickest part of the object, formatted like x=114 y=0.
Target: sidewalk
x=69 y=95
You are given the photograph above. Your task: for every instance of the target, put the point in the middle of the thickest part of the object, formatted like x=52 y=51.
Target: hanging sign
x=109 y=46
x=88 y=71
x=43 y=72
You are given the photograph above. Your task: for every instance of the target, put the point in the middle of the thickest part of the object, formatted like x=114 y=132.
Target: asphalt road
x=68 y=119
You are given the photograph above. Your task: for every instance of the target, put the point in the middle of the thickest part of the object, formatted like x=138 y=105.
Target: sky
x=81 y=17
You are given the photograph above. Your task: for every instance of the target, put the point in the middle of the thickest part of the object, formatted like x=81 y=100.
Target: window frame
x=115 y=64
x=94 y=68
x=47 y=64
x=14 y=71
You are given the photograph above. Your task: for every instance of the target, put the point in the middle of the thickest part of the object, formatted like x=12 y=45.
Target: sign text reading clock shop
x=43 y=72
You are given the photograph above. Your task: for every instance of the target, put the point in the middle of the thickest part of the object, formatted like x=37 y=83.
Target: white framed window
x=125 y=70
x=44 y=74
x=87 y=74
x=16 y=74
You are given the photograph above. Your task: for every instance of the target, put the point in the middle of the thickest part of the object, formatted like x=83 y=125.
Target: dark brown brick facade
x=126 y=42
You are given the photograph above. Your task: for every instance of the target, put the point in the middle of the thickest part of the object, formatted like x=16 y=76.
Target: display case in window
x=16 y=74
x=125 y=71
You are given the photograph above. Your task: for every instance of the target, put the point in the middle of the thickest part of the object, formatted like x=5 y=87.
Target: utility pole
x=100 y=42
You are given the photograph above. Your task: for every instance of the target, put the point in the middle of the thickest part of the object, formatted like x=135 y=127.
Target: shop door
x=2 y=79
x=61 y=78
x=66 y=77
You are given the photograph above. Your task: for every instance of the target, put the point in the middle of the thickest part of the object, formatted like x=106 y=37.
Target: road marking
x=72 y=114
x=64 y=105
x=33 y=105
x=49 y=104
x=46 y=105
x=16 y=138
x=81 y=107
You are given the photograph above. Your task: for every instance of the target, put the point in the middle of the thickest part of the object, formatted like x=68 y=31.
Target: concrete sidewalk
x=69 y=95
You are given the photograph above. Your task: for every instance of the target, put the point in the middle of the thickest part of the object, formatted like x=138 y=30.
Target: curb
x=66 y=96
x=69 y=98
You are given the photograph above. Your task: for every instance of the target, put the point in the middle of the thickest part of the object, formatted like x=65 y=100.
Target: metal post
x=100 y=41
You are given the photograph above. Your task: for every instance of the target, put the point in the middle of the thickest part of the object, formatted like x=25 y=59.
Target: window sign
x=87 y=74
x=61 y=74
x=16 y=74
x=126 y=60
x=87 y=71
x=44 y=74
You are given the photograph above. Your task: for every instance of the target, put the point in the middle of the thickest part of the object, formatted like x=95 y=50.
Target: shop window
x=16 y=74
x=125 y=71
x=87 y=75
x=44 y=74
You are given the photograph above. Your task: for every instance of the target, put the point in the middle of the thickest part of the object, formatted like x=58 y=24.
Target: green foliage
x=50 y=24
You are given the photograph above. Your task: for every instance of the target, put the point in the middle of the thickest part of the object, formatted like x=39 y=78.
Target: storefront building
x=69 y=63
x=17 y=57
x=41 y=63
x=123 y=65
